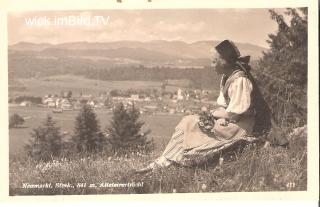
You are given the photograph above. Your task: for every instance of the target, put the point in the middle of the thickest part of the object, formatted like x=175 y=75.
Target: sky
x=189 y=25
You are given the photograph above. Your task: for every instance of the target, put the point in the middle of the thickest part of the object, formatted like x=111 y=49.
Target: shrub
x=15 y=120
x=46 y=142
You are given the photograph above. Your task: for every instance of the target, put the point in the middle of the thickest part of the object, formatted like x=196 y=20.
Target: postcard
x=161 y=99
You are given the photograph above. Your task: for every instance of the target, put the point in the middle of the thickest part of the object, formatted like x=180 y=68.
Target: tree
x=87 y=136
x=114 y=93
x=69 y=95
x=124 y=131
x=15 y=120
x=108 y=102
x=283 y=69
x=46 y=142
x=62 y=94
x=164 y=85
x=32 y=99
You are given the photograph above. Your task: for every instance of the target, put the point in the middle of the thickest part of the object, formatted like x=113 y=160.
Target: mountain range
x=157 y=52
x=122 y=60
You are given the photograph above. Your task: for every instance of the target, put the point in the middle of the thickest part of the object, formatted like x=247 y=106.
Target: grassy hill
x=253 y=169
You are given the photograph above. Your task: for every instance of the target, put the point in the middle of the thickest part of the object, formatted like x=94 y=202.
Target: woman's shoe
x=149 y=168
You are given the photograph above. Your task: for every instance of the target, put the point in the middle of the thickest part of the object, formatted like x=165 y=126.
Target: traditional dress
x=190 y=145
x=244 y=107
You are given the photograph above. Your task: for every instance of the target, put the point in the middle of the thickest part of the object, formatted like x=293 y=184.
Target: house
x=65 y=104
x=187 y=96
x=25 y=103
x=147 y=99
x=91 y=103
x=172 y=111
x=58 y=102
x=118 y=99
x=135 y=97
x=100 y=104
x=179 y=94
x=150 y=108
x=86 y=96
x=51 y=104
x=47 y=100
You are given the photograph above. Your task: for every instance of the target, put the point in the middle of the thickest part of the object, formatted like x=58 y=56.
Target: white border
x=313 y=107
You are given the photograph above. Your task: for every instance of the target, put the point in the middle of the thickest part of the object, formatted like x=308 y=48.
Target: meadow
x=78 y=84
x=249 y=168
x=161 y=126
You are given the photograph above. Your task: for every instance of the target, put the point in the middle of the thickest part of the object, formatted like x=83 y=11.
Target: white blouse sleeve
x=239 y=92
x=221 y=100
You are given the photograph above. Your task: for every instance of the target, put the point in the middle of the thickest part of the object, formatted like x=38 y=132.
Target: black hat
x=228 y=50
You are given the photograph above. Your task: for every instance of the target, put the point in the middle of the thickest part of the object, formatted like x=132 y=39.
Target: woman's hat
x=228 y=51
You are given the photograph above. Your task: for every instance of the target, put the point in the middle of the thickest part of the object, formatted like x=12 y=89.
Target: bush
x=124 y=131
x=47 y=141
x=32 y=99
x=15 y=120
x=87 y=136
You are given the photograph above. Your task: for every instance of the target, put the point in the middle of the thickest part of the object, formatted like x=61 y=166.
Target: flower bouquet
x=206 y=122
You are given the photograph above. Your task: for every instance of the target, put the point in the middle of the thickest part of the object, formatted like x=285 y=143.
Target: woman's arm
x=221 y=111
x=240 y=98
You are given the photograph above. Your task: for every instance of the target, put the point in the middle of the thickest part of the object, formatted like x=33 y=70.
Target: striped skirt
x=175 y=153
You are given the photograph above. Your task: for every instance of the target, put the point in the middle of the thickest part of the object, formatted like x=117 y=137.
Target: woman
x=242 y=112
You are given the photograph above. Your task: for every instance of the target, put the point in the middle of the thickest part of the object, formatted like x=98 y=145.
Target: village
x=149 y=101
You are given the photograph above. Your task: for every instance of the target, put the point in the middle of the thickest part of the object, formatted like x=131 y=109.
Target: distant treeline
x=200 y=78
x=28 y=66
x=32 y=99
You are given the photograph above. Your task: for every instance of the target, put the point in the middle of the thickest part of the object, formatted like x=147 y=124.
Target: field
x=161 y=126
x=79 y=84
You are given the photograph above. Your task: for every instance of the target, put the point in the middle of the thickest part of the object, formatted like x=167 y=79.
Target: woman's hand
x=224 y=122
x=220 y=113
